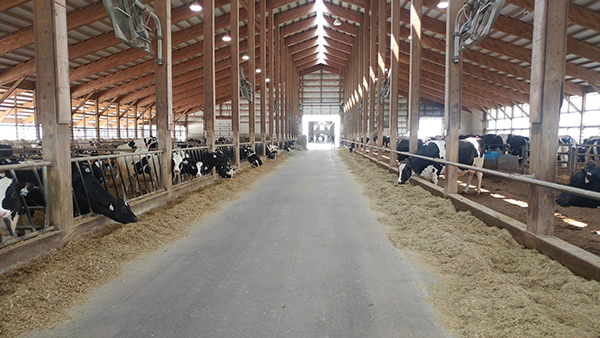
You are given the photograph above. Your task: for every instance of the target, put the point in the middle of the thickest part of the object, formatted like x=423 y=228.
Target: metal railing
x=512 y=177
x=35 y=174
x=126 y=176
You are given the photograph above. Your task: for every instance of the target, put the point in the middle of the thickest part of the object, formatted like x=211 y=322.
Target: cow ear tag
x=111 y=208
x=214 y=156
x=587 y=180
x=24 y=191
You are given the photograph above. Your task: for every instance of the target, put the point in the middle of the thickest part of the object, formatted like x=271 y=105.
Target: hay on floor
x=36 y=295
x=489 y=286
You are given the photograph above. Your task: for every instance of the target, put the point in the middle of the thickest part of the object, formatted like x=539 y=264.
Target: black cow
x=587 y=178
x=352 y=146
x=220 y=161
x=252 y=157
x=404 y=145
x=494 y=142
x=10 y=206
x=515 y=144
x=470 y=152
x=101 y=201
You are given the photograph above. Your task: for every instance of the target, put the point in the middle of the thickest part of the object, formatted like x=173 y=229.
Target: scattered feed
x=36 y=295
x=489 y=285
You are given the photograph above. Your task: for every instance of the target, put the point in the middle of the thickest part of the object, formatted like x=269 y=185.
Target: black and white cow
x=10 y=206
x=177 y=163
x=288 y=145
x=587 y=178
x=101 y=201
x=220 y=161
x=252 y=157
x=404 y=146
x=591 y=150
x=470 y=152
x=565 y=143
x=272 y=151
x=150 y=143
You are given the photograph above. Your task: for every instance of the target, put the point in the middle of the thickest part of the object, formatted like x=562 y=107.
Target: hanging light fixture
x=337 y=22
x=226 y=38
x=443 y=4
x=245 y=57
x=195 y=7
x=258 y=70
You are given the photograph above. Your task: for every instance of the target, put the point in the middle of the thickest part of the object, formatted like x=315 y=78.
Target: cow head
x=225 y=171
x=10 y=192
x=405 y=171
x=119 y=211
x=178 y=161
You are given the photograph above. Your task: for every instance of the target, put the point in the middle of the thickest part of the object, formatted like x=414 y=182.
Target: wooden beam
x=252 y=72
x=547 y=77
x=381 y=72
x=372 y=75
x=11 y=90
x=209 y=73
x=453 y=100
x=54 y=104
x=272 y=56
x=263 y=67
x=394 y=68
x=235 y=77
x=414 y=93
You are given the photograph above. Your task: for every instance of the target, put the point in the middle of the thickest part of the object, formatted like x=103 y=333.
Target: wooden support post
x=97 y=113
x=363 y=37
x=118 y=119
x=372 y=72
x=275 y=79
x=209 y=73
x=547 y=77
x=135 y=122
x=414 y=85
x=394 y=69
x=54 y=104
x=235 y=76
x=381 y=73
x=164 y=94
x=263 y=67
x=283 y=87
x=271 y=73
x=252 y=68
x=452 y=101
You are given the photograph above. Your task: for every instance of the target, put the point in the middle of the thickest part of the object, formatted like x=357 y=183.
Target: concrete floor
x=301 y=255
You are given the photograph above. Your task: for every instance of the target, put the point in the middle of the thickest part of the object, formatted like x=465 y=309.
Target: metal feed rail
x=513 y=177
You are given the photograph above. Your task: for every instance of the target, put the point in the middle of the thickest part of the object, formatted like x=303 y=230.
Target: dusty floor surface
x=37 y=294
x=490 y=286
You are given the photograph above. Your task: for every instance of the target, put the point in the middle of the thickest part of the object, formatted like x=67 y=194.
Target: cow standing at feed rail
x=177 y=163
x=10 y=206
x=91 y=196
x=404 y=146
x=591 y=149
x=470 y=152
x=515 y=144
x=251 y=156
x=288 y=145
x=587 y=178
x=272 y=151
x=220 y=162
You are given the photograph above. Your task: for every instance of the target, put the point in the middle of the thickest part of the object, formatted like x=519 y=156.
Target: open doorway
x=321 y=130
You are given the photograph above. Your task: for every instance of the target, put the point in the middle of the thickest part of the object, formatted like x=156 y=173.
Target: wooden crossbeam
x=12 y=88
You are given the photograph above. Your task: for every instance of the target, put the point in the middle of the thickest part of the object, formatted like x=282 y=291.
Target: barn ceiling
x=496 y=73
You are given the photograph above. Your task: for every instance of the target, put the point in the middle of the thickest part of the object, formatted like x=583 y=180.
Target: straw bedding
x=489 y=286
x=36 y=295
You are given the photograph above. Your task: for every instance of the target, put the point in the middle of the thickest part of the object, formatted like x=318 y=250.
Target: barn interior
x=131 y=92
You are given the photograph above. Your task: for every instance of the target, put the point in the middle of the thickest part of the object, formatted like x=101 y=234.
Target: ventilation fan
x=473 y=23
x=130 y=23
x=245 y=87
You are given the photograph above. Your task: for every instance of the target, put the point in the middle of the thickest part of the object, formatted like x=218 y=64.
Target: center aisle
x=301 y=255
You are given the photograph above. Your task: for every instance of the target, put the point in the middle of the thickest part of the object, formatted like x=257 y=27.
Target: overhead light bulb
x=443 y=4
x=258 y=70
x=267 y=80
x=337 y=22
x=195 y=7
x=245 y=57
x=226 y=38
